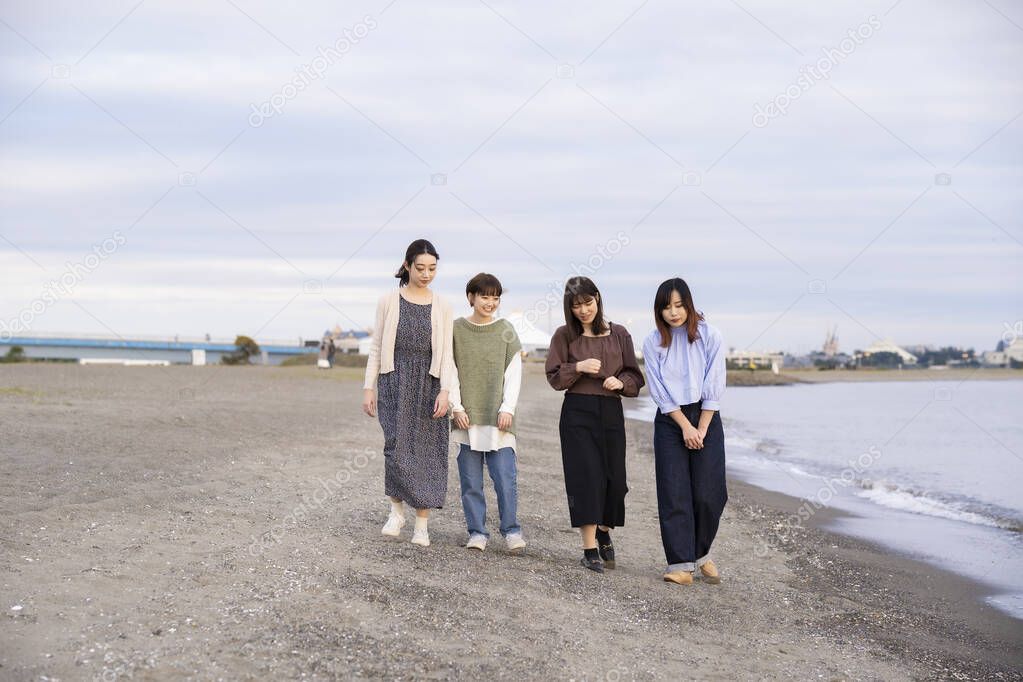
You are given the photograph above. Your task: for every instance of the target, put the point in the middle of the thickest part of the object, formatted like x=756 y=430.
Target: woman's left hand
x=613 y=384
x=440 y=406
x=504 y=421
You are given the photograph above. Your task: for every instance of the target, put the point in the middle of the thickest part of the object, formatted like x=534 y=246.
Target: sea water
x=931 y=469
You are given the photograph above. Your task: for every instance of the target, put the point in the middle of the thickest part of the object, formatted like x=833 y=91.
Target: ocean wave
x=762 y=454
x=906 y=499
x=764 y=446
x=751 y=451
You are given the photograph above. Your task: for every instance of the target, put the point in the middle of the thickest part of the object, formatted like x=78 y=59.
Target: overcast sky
x=523 y=139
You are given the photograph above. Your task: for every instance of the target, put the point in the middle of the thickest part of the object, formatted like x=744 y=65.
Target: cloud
x=651 y=126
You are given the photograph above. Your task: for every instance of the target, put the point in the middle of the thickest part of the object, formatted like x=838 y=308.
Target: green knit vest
x=482 y=354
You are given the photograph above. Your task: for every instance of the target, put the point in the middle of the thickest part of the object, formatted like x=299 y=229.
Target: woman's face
x=423 y=270
x=484 y=306
x=585 y=309
x=674 y=313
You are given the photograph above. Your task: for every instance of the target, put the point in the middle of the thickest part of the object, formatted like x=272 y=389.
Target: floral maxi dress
x=415 y=444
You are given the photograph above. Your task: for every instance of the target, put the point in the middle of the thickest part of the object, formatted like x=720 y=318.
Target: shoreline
x=168 y=522
x=946 y=607
x=877 y=572
x=765 y=377
x=880 y=524
x=922 y=374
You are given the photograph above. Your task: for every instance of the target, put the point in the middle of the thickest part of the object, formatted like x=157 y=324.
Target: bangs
x=663 y=298
x=492 y=290
x=484 y=284
x=582 y=291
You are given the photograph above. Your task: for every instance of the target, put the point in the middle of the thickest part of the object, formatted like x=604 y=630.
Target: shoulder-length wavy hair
x=582 y=289
x=416 y=248
x=661 y=301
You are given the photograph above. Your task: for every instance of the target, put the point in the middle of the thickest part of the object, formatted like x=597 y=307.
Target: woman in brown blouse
x=594 y=362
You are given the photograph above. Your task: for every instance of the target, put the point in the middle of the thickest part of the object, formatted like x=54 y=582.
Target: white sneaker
x=514 y=541
x=477 y=541
x=395 y=523
x=421 y=537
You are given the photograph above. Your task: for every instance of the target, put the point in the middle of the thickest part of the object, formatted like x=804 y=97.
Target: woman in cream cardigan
x=411 y=359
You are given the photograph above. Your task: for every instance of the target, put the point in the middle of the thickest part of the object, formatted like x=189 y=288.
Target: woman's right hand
x=461 y=420
x=591 y=366
x=369 y=402
x=692 y=436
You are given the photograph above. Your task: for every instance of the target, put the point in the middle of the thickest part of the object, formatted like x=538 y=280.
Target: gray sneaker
x=515 y=542
x=477 y=541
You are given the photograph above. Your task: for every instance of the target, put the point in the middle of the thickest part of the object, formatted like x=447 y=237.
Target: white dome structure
x=533 y=340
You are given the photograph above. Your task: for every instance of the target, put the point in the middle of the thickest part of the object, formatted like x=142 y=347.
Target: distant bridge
x=142 y=350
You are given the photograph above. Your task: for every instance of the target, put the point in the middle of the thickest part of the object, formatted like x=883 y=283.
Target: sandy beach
x=224 y=523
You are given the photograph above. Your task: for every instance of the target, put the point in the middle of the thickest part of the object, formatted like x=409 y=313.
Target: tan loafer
x=710 y=573
x=679 y=577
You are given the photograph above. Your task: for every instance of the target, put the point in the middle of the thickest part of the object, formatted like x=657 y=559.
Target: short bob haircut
x=663 y=299
x=582 y=290
x=484 y=284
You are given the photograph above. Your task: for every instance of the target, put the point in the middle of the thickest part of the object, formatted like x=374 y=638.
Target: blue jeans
x=501 y=464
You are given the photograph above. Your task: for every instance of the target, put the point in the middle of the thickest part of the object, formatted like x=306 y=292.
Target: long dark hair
x=663 y=299
x=583 y=289
x=416 y=248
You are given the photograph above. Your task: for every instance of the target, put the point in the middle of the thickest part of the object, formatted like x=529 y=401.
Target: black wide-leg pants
x=592 y=432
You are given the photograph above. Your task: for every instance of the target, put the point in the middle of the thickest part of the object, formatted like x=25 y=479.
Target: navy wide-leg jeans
x=691 y=491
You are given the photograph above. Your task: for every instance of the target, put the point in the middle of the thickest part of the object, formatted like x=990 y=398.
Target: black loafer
x=607 y=553
x=593 y=564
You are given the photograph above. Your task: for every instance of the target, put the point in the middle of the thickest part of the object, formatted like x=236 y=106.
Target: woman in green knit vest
x=483 y=396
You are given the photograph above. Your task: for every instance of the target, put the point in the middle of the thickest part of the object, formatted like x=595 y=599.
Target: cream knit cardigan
x=381 y=348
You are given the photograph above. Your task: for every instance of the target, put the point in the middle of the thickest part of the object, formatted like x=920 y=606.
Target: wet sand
x=224 y=523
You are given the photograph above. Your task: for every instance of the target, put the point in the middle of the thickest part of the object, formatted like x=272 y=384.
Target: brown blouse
x=617 y=358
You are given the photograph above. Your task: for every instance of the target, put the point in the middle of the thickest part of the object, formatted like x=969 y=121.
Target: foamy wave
x=759 y=463
x=764 y=446
x=905 y=499
x=766 y=455
x=741 y=442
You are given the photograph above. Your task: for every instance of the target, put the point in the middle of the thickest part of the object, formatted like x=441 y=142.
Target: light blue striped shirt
x=684 y=372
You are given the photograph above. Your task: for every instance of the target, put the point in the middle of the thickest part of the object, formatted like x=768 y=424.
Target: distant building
x=743 y=359
x=1010 y=353
x=830 y=348
x=1014 y=350
x=349 y=341
x=994 y=358
x=345 y=341
x=800 y=361
x=942 y=356
x=888 y=346
x=364 y=344
x=819 y=359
